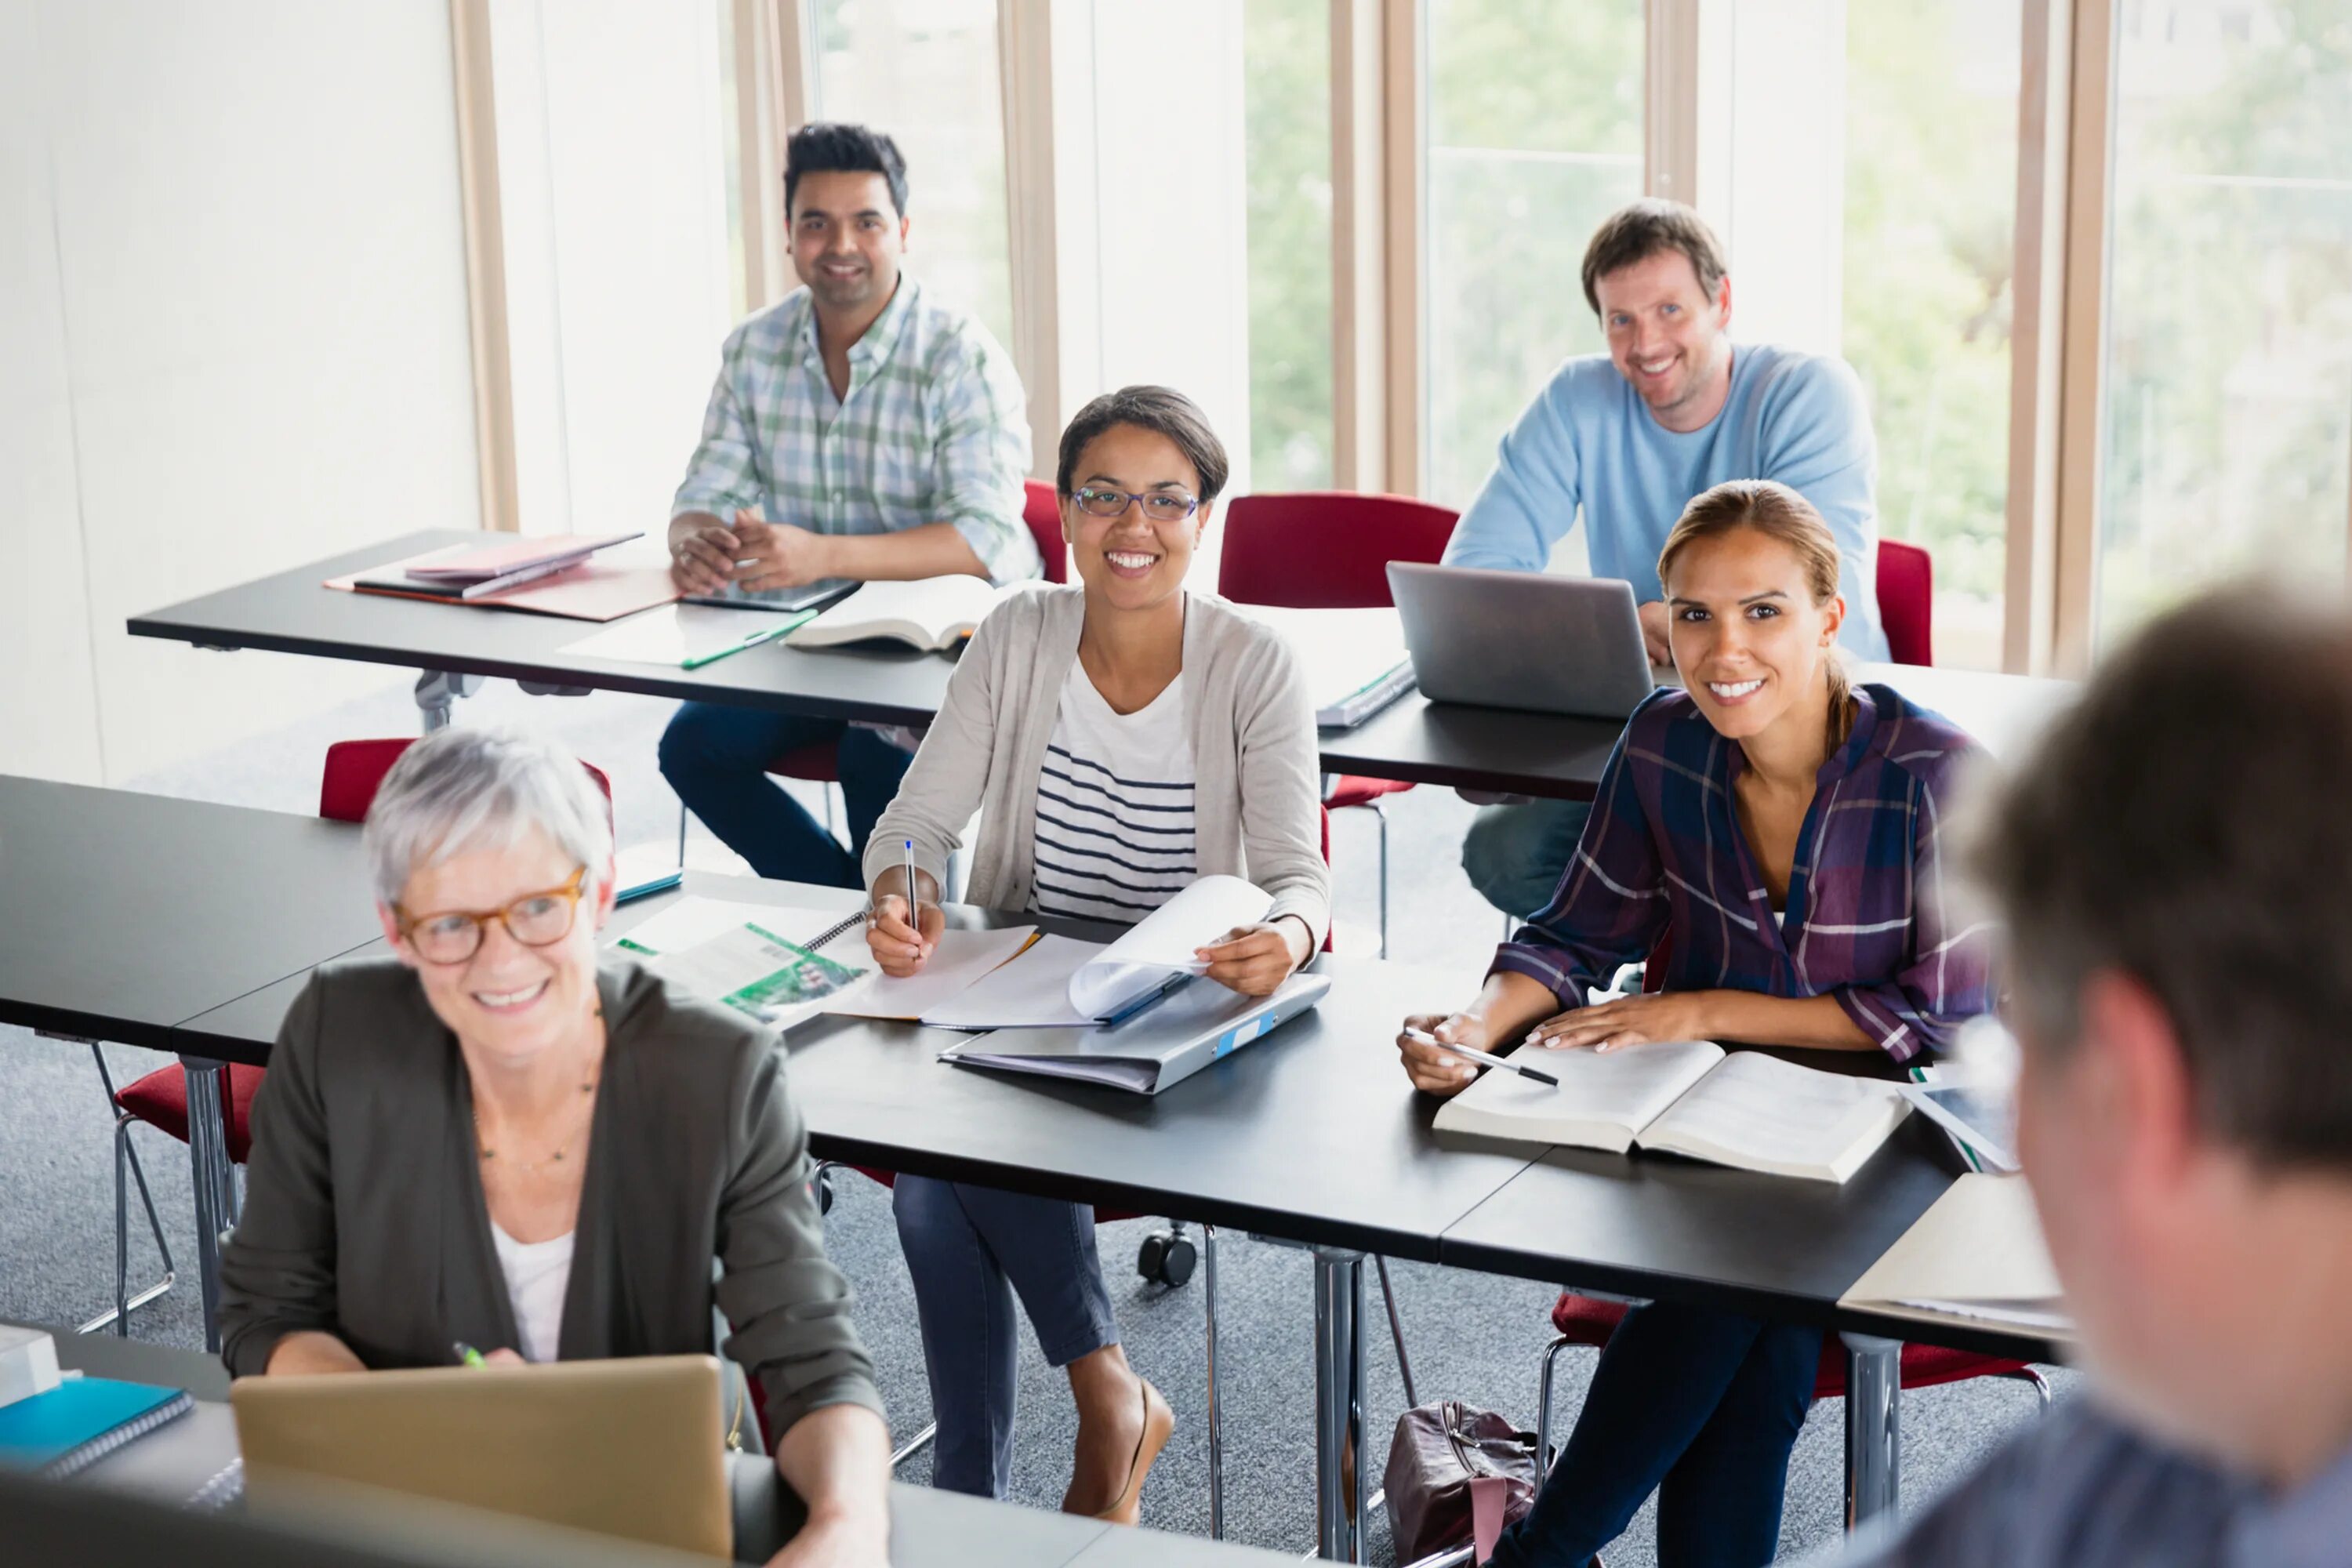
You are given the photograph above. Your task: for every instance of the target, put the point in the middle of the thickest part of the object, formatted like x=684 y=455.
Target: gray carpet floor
x=1469 y=1336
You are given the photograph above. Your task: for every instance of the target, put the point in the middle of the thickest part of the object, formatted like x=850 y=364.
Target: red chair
x=353 y=772
x=1907 y=601
x=1322 y=550
x=1042 y=510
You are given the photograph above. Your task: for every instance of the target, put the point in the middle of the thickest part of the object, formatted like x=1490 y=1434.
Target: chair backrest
x=1042 y=510
x=1907 y=601
x=355 y=770
x=1325 y=550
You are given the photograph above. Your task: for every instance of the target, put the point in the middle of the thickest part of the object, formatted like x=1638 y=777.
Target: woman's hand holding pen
x=1254 y=959
x=900 y=947
x=1437 y=1072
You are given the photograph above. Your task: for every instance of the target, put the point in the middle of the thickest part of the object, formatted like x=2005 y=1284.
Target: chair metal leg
x=1216 y=1409
x=1873 y=1435
x=1339 y=1472
x=1544 y=1387
x=1381 y=814
x=1396 y=1332
x=915 y=1444
x=118 y=1315
x=2041 y=1387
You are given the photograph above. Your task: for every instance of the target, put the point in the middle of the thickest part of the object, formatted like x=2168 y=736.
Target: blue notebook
x=81 y=1421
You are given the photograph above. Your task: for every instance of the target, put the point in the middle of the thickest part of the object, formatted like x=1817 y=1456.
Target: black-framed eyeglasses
x=535 y=920
x=1160 y=506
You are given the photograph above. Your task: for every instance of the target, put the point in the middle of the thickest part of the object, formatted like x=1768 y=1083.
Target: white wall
x=612 y=169
x=233 y=338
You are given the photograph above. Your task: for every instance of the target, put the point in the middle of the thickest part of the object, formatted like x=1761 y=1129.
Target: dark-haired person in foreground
x=2180 y=918
x=859 y=430
x=1119 y=737
x=1626 y=437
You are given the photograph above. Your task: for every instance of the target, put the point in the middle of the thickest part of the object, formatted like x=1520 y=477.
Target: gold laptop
x=627 y=1448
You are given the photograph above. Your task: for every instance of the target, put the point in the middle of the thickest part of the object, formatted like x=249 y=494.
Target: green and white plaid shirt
x=935 y=429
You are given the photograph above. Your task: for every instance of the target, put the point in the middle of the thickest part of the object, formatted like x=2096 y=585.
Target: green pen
x=466 y=1354
x=765 y=634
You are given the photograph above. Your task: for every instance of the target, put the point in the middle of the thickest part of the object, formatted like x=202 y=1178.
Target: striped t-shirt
x=1113 y=805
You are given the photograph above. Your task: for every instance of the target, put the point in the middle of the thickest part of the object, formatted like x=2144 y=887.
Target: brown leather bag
x=1446 y=1461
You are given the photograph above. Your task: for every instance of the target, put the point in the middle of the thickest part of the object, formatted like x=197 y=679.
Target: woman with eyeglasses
x=1120 y=738
x=492 y=1139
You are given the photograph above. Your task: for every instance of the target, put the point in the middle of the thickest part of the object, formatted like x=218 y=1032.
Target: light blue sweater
x=1588 y=439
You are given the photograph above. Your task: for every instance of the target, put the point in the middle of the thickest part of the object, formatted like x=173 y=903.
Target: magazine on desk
x=1688 y=1096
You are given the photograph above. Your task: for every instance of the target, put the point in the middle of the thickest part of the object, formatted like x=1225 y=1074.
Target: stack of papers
x=1975 y=1257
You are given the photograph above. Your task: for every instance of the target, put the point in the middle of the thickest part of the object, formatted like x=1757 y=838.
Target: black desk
x=1414 y=739
x=123 y=914
x=928 y=1528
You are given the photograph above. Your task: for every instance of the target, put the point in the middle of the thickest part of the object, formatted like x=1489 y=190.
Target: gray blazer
x=1257 y=791
x=364 y=1215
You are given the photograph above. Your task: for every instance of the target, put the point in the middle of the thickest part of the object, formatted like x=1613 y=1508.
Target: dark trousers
x=1701 y=1407
x=716 y=758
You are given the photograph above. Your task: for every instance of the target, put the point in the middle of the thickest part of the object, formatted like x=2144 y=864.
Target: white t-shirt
x=537 y=1273
x=1113 y=805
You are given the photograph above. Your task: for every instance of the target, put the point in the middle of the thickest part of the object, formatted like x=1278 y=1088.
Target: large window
x=1535 y=136
x=1286 y=101
x=2227 y=418
x=926 y=71
x=1930 y=223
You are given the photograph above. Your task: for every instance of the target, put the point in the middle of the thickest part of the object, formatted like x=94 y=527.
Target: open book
x=1976 y=1256
x=1061 y=982
x=931 y=613
x=1688 y=1097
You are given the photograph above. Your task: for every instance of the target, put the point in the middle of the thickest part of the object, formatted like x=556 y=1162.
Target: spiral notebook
x=81 y=1421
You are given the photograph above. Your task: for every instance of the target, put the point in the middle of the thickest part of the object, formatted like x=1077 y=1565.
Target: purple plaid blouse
x=1866 y=917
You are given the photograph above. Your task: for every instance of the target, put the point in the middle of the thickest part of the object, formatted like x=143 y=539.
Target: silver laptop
x=1524 y=639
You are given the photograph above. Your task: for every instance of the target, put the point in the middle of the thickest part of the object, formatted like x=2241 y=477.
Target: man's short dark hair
x=1161 y=409
x=1646 y=228
x=2186 y=823
x=827 y=148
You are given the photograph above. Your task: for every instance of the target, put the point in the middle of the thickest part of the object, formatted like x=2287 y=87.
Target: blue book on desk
x=82 y=1420
x=1186 y=1029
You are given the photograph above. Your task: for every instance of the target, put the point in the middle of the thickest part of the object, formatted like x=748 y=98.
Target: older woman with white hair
x=491 y=1138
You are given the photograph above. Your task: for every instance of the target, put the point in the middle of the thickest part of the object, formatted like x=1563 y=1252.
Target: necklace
x=529 y=1167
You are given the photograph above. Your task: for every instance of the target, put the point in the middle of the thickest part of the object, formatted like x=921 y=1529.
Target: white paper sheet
x=693 y=920
x=1162 y=944
x=672 y=633
x=1032 y=991
x=960 y=962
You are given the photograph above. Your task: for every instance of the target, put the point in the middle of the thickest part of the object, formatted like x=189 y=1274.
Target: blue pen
x=1145 y=1003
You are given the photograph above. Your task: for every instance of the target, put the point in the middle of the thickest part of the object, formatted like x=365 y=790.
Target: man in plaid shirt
x=858 y=431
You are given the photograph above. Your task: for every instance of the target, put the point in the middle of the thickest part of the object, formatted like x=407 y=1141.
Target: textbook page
x=961 y=959
x=1162 y=944
x=928 y=612
x=1761 y=1113
x=694 y=918
x=1603 y=1099
x=1032 y=991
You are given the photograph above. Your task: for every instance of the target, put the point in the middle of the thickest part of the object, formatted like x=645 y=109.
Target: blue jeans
x=716 y=758
x=1515 y=854
x=970 y=1249
x=1701 y=1407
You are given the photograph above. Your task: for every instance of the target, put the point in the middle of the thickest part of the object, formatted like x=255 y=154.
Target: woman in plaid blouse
x=1777 y=831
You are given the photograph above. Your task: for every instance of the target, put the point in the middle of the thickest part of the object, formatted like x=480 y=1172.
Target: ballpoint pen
x=1485 y=1059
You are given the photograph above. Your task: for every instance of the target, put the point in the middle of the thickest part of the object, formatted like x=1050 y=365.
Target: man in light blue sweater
x=1627 y=438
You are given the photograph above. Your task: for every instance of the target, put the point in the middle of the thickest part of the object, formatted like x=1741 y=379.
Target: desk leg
x=208 y=1168
x=437 y=691
x=1873 y=1435
x=1339 y=1404
x=1216 y=1412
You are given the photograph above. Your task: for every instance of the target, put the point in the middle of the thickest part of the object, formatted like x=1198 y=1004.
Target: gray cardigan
x=364 y=1215
x=1257 y=801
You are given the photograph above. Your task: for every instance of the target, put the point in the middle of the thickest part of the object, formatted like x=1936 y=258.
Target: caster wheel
x=824 y=1185
x=1167 y=1260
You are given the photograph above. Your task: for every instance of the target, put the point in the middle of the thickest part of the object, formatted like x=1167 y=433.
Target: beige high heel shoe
x=1159 y=1421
